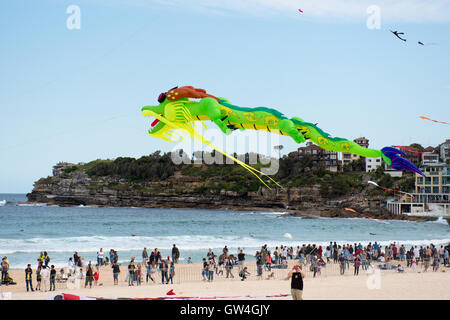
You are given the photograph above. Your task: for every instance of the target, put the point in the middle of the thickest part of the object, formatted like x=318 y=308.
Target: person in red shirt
x=96 y=276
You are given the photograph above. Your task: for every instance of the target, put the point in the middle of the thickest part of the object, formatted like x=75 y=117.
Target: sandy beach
x=383 y=284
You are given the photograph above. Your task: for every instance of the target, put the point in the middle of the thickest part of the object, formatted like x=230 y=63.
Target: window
x=435 y=189
x=435 y=180
x=369 y=167
x=427 y=180
x=420 y=180
x=378 y=160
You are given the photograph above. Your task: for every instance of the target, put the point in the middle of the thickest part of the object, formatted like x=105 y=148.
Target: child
x=139 y=274
x=413 y=263
x=243 y=274
x=96 y=276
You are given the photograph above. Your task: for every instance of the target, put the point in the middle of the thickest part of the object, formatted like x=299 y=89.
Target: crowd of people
x=316 y=257
x=311 y=256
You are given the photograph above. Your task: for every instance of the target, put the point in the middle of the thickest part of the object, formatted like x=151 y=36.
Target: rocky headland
x=74 y=185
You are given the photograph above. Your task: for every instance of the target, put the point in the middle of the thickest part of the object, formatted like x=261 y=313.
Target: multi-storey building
x=436 y=180
x=320 y=156
x=444 y=151
x=349 y=157
x=373 y=163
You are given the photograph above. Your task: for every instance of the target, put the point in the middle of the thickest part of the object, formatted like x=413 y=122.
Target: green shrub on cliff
x=151 y=168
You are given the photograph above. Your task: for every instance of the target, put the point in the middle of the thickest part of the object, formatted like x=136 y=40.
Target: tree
x=417 y=146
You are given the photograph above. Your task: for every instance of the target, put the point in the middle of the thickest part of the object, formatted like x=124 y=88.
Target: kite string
x=189 y=129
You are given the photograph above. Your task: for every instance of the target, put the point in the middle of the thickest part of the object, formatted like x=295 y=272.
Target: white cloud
x=417 y=11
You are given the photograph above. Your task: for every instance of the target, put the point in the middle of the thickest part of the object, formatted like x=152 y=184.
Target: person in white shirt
x=416 y=254
x=100 y=257
x=71 y=266
x=45 y=276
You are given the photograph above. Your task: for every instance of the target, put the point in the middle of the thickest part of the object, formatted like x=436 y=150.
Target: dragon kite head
x=167 y=117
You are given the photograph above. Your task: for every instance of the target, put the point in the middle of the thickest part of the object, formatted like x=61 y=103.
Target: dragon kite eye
x=162 y=97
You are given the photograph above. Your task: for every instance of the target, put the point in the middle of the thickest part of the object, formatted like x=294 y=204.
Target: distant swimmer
x=396 y=33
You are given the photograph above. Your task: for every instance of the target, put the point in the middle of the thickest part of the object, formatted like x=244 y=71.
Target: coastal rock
x=72 y=187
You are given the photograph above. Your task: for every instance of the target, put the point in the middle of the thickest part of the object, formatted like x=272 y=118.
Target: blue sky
x=75 y=95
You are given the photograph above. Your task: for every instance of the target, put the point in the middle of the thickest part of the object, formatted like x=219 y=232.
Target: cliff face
x=66 y=188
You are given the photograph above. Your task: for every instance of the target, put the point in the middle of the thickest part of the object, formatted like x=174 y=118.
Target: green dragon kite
x=177 y=112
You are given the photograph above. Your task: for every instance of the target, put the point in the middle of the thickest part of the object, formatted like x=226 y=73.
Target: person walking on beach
x=96 y=276
x=164 y=267
x=45 y=275
x=229 y=267
x=413 y=263
x=259 y=265
x=40 y=260
x=144 y=256
x=342 y=263
x=46 y=259
x=435 y=263
x=212 y=266
x=241 y=259
x=171 y=272
x=296 y=275
x=5 y=268
x=139 y=274
x=89 y=276
x=111 y=257
x=175 y=254
x=38 y=278
x=76 y=260
x=157 y=256
x=100 y=257
x=149 y=272
x=357 y=263
x=426 y=259
x=71 y=266
x=268 y=264
x=28 y=277
x=52 y=278
x=116 y=271
x=131 y=270
x=205 y=269
x=445 y=257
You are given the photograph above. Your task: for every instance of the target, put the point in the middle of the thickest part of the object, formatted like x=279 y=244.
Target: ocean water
x=26 y=230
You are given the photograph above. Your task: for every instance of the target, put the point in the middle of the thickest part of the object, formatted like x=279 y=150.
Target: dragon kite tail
x=391 y=156
x=394 y=158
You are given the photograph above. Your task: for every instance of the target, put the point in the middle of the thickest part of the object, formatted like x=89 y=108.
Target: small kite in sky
x=425 y=118
x=421 y=43
x=396 y=33
x=351 y=210
x=300 y=10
